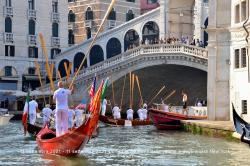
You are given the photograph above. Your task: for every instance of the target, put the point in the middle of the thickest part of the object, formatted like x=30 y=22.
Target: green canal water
x=127 y=146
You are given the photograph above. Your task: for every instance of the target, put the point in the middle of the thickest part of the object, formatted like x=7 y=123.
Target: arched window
x=112 y=15
x=8 y=25
x=113 y=47
x=61 y=67
x=71 y=39
x=55 y=29
x=8 y=71
x=130 y=15
x=71 y=16
x=88 y=33
x=32 y=27
x=131 y=39
x=96 y=55
x=8 y=3
x=89 y=14
x=78 y=60
x=150 y=31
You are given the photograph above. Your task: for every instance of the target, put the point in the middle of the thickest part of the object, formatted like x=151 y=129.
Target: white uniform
x=46 y=115
x=199 y=104
x=61 y=97
x=145 y=113
x=130 y=113
x=116 y=112
x=104 y=106
x=71 y=114
x=78 y=117
x=32 y=111
x=140 y=114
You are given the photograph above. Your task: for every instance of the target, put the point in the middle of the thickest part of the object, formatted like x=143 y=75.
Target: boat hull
x=33 y=130
x=4 y=119
x=122 y=122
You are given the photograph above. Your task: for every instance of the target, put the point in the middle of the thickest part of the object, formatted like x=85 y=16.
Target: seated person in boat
x=61 y=98
x=145 y=112
x=140 y=114
x=32 y=110
x=78 y=116
x=47 y=112
x=184 y=101
x=116 y=112
x=199 y=104
x=71 y=114
x=130 y=113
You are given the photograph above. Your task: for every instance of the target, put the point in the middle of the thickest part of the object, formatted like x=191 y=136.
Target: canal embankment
x=218 y=129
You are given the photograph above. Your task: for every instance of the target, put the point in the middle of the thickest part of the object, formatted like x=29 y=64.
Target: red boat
x=108 y=120
x=169 y=120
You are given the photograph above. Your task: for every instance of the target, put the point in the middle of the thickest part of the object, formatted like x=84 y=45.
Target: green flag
x=104 y=89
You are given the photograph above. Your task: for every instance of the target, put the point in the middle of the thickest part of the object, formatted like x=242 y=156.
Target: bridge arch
x=78 y=60
x=150 y=31
x=96 y=55
x=131 y=39
x=61 y=67
x=113 y=47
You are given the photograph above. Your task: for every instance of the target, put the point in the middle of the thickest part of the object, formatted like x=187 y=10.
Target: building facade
x=239 y=58
x=20 y=47
x=85 y=17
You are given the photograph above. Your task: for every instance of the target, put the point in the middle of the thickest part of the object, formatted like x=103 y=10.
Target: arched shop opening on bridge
x=150 y=32
x=113 y=47
x=131 y=39
x=61 y=67
x=78 y=60
x=96 y=55
x=191 y=80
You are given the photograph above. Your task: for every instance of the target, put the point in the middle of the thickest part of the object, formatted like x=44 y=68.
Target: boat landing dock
x=221 y=129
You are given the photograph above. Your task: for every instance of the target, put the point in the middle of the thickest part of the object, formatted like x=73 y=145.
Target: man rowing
x=33 y=108
x=46 y=114
x=116 y=112
x=71 y=114
x=130 y=113
x=61 y=98
x=140 y=114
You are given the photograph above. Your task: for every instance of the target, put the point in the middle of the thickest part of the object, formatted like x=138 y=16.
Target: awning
x=11 y=78
x=40 y=93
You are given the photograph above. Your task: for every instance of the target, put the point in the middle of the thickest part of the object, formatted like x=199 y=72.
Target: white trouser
x=78 y=121
x=71 y=123
x=141 y=116
x=61 y=122
x=104 y=107
x=145 y=116
x=45 y=120
x=117 y=116
x=32 y=118
x=130 y=116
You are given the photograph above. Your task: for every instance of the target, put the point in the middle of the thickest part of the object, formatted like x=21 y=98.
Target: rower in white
x=140 y=114
x=145 y=112
x=61 y=99
x=71 y=114
x=46 y=114
x=32 y=108
x=116 y=112
x=130 y=113
x=78 y=117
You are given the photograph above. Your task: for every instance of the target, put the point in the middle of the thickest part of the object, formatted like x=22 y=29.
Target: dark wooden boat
x=69 y=144
x=241 y=127
x=108 y=120
x=33 y=130
x=169 y=120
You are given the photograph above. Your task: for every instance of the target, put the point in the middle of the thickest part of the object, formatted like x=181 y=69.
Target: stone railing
x=8 y=38
x=31 y=14
x=32 y=39
x=8 y=11
x=158 y=49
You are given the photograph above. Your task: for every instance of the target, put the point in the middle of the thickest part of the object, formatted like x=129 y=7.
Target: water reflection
x=127 y=146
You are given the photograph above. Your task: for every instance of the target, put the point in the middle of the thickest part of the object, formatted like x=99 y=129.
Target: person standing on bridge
x=61 y=98
x=184 y=101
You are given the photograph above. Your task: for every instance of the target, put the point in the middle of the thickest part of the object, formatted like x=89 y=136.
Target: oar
x=40 y=80
x=130 y=100
x=59 y=75
x=157 y=94
x=93 y=41
x=138 y=84
x=133 y=83
x=123 y=88
x=171 y=94
x=113 y=92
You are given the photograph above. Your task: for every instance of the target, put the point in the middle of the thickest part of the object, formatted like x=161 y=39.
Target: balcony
x=8 y=38
x=72 y=26
x=88 y=23
x=55 y=41
x=32 y=39
x=55 y=17
x=111 y=24
x=7 y=11
x=31 y=14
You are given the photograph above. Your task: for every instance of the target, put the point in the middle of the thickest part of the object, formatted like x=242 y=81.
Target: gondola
x=108 y=120
x=33 y=130
x=241 y=127
x=169 y=120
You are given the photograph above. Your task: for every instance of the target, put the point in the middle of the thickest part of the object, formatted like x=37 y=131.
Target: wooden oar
x=133 y=84
x=138 y=84
x=157 y=94
x=59 y=75
x=171 y=94
x=123 y=88
x=113 y=92
x=130 y=100
x=93 y=41
x=40 y=80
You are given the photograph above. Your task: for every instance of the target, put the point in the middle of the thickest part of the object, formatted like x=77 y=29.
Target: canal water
x=127 y=146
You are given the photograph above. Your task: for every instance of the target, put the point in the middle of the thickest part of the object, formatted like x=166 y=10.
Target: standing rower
x=61 y=99
x=78 y=116
x=104 y=106
x=33 y=108
x=130 y=113
x=46 y=114
x=140 y=114
x=116 y=112
x=71 y=114
x=184 y=100
x=145 y=112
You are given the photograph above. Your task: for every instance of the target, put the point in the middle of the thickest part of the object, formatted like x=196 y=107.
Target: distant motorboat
x=4 y=117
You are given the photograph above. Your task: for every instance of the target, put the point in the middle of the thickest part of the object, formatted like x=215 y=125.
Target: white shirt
x=32 y=107
x=140 y=111
x=71 y=114
x=61 y=97
x=104 y=102
x=116 y=110
x=46 y=113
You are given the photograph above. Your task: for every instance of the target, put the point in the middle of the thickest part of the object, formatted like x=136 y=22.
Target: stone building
x=85 y=16
x=22 y=21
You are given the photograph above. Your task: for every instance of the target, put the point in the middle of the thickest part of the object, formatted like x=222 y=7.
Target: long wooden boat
x=169 y=120
x=241 y=127
x=33 y=130
x=70 y=143
x=108 y=120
